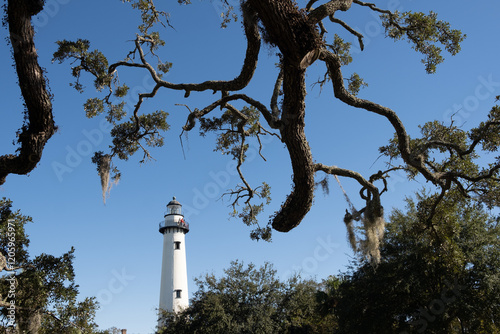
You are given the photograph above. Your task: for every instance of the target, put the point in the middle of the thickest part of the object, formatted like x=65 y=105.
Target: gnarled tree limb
x=40 y=124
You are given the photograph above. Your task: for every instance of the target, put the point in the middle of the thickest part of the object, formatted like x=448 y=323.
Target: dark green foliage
x=488 y=133
x=229 y=126
x=249 y=213
x=45 y=293
x=150 y=16
x=127 y=136
x=164 y=67
x=424 y=31
x=72 y=317
x=250 y=300
x=355 y=84
x=438 y=275
x=457 y=154
x=342 y=49
x=93 y=107
x=16 y=233
x=93 y=62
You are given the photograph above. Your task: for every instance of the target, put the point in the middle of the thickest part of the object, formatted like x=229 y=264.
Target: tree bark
x=289 y=29
x=40 y=124
x=299 y=201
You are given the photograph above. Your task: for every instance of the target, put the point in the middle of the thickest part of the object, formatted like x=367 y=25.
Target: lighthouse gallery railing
x=180 y=223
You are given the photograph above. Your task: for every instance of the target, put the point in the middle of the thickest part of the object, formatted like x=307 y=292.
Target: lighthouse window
x=177 y=245
x=177 y=293
x=175 y=210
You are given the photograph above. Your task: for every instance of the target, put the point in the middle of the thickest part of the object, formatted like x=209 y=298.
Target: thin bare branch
x=351 y=30
x=196 y=114
x=334 y=170
x=372 y=6
x=328 y=9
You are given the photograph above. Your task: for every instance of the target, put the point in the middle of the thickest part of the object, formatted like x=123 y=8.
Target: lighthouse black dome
x=174 y=202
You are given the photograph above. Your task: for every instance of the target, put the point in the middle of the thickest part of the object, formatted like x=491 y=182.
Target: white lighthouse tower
x=174 y=284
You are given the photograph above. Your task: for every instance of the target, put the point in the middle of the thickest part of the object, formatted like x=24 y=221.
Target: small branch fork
x=317 y=15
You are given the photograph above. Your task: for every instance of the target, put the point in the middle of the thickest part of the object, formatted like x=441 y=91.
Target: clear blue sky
x=118 y=247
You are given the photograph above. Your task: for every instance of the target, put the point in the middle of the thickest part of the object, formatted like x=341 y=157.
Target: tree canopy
x=38 y=295
x=248 y=299
x=436 y=275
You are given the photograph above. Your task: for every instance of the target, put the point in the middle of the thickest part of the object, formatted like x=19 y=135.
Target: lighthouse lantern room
x=174 y=286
